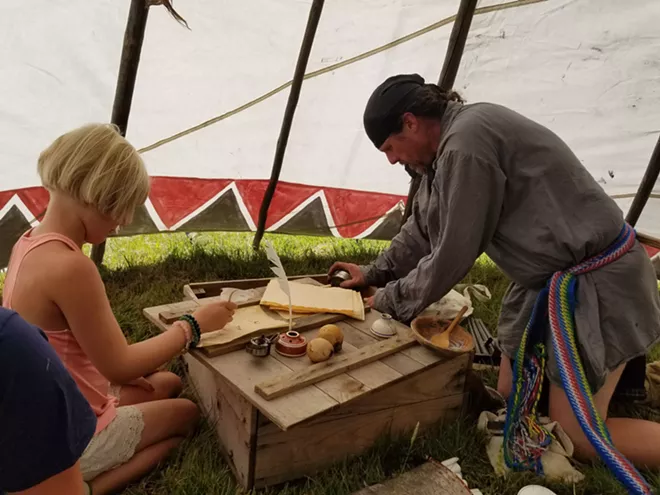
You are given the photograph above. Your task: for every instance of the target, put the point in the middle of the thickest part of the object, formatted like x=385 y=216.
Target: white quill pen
x=278 y=270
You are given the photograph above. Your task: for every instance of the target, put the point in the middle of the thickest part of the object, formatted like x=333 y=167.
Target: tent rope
x=333 y=67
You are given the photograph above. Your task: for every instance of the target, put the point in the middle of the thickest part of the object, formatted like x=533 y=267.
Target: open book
x=307 y=298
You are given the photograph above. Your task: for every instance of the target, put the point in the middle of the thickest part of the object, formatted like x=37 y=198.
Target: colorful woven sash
x=525 y=440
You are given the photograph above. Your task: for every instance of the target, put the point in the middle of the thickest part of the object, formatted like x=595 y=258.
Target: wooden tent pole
x=447 y=78
x=631 y=385
x=130 y=58
x=645 y=187
x=287 y=121
x=456 y=44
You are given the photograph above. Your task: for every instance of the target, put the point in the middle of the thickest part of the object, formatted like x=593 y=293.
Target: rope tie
x=525 y=440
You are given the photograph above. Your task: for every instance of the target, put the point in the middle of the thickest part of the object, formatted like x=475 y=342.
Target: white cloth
x=450 y=305
x=114 y=445
x=555 y=461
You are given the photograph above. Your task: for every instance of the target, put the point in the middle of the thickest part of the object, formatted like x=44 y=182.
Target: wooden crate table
x=267 y=442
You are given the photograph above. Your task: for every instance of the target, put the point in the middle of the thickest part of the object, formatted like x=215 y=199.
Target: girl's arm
x=83 y=301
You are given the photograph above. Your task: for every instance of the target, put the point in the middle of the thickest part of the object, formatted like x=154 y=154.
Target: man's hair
x=96 y=165
x=428 y=101
x=397 y=95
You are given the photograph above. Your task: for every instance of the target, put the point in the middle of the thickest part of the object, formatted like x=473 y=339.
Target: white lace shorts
x=115 y=444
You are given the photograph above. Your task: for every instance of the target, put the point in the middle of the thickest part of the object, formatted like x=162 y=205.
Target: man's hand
x=357 y=279
x=369 y=301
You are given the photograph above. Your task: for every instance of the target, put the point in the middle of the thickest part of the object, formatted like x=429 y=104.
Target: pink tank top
x=93 y=385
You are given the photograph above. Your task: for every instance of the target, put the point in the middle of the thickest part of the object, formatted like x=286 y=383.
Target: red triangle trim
x=350 y=207
x=174 y=198
x=36 y=200
x=5 y=196
x=651 y=251
x=287 y=197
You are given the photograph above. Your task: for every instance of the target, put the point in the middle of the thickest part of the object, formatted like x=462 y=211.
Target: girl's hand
x=212 y=317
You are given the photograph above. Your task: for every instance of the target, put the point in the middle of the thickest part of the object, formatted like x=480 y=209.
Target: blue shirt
x=45 y=421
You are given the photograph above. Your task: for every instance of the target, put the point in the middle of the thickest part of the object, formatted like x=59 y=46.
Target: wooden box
x=268 y=442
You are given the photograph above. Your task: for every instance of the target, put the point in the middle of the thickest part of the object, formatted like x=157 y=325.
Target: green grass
x=150 y=270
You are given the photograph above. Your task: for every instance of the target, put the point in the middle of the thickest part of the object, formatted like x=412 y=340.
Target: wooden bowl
x=428 y=331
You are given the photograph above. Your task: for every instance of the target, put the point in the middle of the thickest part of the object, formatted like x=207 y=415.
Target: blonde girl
x=96 y=180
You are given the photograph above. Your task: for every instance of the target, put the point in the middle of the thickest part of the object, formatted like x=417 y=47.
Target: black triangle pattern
x=389 y=227
x=12 y=225
x=141 y=224
x=223 y=215
x=311 y=220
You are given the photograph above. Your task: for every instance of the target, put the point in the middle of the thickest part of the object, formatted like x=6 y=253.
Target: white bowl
x=384 y=327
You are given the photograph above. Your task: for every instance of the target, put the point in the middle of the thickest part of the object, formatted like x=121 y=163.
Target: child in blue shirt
x=45 y=422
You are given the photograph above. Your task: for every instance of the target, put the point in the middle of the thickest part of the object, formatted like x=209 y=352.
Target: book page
x=307 y=298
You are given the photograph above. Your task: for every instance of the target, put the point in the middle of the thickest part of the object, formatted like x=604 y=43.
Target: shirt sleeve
x=45 y=421
x=470 y=192
x=403 y=253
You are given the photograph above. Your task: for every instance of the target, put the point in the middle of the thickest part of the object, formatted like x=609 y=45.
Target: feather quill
x=278 y=270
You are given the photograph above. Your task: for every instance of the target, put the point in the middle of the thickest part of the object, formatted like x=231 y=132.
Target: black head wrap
x=386 y=104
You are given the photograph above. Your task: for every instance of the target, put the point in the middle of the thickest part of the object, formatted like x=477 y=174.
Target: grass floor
x=150 y=270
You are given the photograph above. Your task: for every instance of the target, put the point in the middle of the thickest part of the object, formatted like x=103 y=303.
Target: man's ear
x=410 y=122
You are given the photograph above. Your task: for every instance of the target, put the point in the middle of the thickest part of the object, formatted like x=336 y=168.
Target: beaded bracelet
x=195 y=329
x=188 y=334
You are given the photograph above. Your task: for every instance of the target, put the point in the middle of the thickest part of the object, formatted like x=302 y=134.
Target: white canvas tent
x=588 y=69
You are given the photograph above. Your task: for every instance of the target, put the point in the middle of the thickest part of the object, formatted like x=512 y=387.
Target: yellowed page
x=247 y=320
x=313 y=299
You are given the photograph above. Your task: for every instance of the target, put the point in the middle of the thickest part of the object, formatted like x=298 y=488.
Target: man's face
x=412 y=146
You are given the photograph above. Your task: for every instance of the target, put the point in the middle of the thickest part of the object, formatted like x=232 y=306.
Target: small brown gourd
x=319 y=349
x=333 y=334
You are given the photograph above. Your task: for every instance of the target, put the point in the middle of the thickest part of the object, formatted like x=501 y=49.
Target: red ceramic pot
x=291 y=344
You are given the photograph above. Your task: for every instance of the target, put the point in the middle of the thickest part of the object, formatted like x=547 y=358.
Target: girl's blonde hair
x=97 y=166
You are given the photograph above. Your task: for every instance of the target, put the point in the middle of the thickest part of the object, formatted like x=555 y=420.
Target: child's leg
x=166 y=385
x=637 y=439
x=166 y=424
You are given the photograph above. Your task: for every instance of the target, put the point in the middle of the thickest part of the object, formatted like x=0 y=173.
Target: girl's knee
x=167 y=384
x=189 y=412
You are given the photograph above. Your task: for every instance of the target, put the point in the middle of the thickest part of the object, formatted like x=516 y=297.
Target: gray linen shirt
x=507 y=186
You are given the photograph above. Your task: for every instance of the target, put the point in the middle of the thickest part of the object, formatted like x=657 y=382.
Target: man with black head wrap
x=494 y=181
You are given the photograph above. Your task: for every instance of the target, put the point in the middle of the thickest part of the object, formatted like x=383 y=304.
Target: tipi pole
x=645 y=187
x=130 y=58
x=447 y=78
x=287 y=121
x=634 y=373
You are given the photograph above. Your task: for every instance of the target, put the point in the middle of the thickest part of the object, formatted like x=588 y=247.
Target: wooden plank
x=244 y=371
x=284 y=458
x=282 y=385
x=431 y=478
x=432 y=395
x=301 y=324
x=169 y=317
x=445 y=378
x=418 y=353
x=399 y=361
x=342 y=387
x=214 y=288
x=231 y=416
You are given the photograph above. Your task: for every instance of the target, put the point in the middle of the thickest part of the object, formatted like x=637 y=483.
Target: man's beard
x=418 y=167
